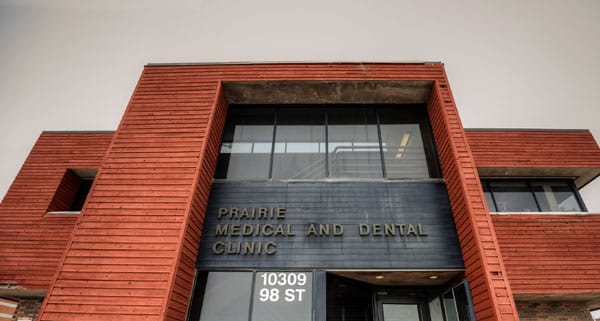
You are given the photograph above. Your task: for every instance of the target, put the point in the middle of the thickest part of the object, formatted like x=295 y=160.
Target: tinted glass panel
x=450 y=306
x=246 y=144
x=488 y=197
x=353 y=143
x=282 y=296
x=402 y=143
x=227 y=296
x=300 y=144
x=400 y=312
x=403 y=151
x=513 y=197
x=462 y=303
x=555 y=196
x=435 y=310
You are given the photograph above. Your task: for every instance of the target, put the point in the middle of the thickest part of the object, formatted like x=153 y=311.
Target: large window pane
x=227 y=296
x=353 y=143
x=246 y=144
x=402 y=143
x=299 y=144
x=513 y=197
x=555 y=196
x=403 y=151
x=435 y=310
x=400 y=312
x=282 y=296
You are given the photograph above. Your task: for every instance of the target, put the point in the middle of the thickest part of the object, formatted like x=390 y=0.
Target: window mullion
x=275 y=121
x=489 y=188
x=537 y=203
x=326 y=143
x=383 y=171
x=251 y=305
x=577 y=195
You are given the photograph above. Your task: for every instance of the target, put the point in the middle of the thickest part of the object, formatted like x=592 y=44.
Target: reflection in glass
x=403 y=151
x=488 y=197
x=227 y=296
x=246 y=145
x=299 y=144
x=314 y=142
x=400 y=312
x=450 y=306
x=513 y=197
x=463 y=306
x=435 y=310
x=353 y=143
x=555 y=196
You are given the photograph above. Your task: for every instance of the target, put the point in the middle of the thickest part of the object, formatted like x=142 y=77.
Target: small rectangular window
x=532 y=195
x=513 y=196
x=72 y=191
x=555 y=196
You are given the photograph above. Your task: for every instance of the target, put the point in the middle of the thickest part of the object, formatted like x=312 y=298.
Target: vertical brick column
x=485 y=270
x=132 y=253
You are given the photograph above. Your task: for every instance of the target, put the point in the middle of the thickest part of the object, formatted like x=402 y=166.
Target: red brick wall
x=130 y=256
x=31 y=244
x=550 y=254
x=490 y=289
x=553 y=311
x=547 y=149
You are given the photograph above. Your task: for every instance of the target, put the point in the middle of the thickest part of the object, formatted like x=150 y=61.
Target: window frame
x=417 y=115
x=493 y=208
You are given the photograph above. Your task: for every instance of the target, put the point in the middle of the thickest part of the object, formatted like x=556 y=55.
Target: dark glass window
x=254 y=296
x=246 y=144
x=326 y=141
x=402 y=143
x=353 y=143
x=532 y=196
x=556 y=196
x=513 y=197
x=225 y=297
x=456 y=305
x=299 y=144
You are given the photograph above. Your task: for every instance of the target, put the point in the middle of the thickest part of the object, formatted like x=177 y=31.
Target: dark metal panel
x=348 y=204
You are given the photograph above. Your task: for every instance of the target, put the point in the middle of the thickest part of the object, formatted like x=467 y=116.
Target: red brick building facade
x=132 y=251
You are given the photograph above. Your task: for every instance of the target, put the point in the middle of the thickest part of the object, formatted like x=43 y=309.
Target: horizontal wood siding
x=181 y=287
x=546 y=149
x=131 y=254
x=550 y=254
x=492 y=297
x=31 y=243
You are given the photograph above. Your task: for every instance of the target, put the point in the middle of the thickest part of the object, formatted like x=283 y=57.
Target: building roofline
x=159 y=64
x=53 y=132
x=576 y=130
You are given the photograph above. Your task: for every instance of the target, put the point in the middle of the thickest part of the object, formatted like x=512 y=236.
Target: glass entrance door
x=400 y=312
x=401 y=304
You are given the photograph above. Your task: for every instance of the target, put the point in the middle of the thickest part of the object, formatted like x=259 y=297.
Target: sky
x=72 y=65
